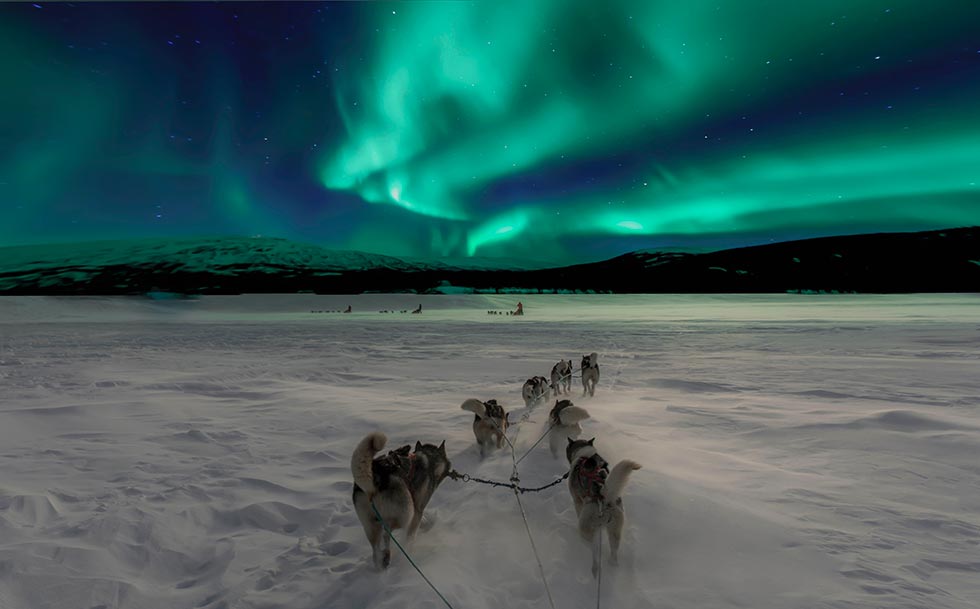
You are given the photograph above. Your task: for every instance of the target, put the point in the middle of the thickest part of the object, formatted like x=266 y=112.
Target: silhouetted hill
x=932 y=261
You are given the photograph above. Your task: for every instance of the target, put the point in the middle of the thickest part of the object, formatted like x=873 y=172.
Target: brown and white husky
x=489 y=423
x=399 y=484
x=597 y=495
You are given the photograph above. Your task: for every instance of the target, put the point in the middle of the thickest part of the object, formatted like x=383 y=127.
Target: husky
x=597 y=495
x=399 y=484
x=534 y=390
x=590 y=373
x=489 y=423
x=564 y=419
x=561 y=377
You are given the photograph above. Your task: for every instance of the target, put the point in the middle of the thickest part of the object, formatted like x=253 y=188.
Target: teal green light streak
x=504 y=227
x=457 y=96
x=630 y=225
x=820 y=184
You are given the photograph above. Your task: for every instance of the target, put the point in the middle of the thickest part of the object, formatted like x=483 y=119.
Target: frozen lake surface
x=797 y=451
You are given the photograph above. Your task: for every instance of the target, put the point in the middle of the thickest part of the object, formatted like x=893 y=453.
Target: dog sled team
x=518 y=311
x=397 y=486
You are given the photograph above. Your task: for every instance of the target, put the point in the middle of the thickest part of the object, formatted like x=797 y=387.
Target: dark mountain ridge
x=930 y=261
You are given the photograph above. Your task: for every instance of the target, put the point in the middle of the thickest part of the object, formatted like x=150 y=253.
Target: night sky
x=552 y=131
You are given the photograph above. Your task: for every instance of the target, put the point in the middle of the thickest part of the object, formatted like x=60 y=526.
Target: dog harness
x=494 y=410
x=407 y=476
x=591 y=473
x=539 y=385
x=394 y=464
x=555 y=413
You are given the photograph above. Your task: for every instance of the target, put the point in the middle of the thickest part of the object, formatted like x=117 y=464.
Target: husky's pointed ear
x=418 y=446
x=569 y=439
x=592 y=442
x=442 y=447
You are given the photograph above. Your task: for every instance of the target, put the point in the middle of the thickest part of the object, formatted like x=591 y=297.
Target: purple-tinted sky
x=554 y=131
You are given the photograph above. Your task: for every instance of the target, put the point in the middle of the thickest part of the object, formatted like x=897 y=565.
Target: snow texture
x=797 y=451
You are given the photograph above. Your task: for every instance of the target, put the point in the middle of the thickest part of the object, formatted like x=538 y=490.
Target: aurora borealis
x=549 y=130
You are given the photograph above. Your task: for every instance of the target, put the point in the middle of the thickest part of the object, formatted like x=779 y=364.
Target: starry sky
x=556 y=131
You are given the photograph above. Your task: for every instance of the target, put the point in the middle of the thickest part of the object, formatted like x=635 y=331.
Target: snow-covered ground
x=797 y=451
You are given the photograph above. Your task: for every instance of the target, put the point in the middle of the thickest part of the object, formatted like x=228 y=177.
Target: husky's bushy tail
x=616 y=482
x=476 y=407
x=360 y=461
x=570 y=415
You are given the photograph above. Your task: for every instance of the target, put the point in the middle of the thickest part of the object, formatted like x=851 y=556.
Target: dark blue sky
x=553 y=131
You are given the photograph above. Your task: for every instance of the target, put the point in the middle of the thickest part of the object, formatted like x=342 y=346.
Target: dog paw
x=386 y=559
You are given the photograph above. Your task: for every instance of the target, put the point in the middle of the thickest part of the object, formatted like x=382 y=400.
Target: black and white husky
x=597 y=495
x=535 y=389
x=590 y=373
x=564 y=419
x=399 y=484
x=489 y=423
x=561 y=377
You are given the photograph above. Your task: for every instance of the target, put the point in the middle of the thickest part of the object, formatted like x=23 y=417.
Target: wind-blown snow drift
x=797 y=452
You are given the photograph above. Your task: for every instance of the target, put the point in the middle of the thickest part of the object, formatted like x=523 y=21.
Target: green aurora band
x=460 y=95
x=518 y=129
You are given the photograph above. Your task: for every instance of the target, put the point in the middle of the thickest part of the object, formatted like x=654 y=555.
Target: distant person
x=418 y=310
x=520 y=309
x=347 y=310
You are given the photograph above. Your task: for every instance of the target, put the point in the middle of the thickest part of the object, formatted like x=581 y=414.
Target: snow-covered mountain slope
x=220 y=254
x=125 y=264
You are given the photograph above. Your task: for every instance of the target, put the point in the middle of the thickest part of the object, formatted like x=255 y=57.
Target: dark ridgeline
x=932 y=261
